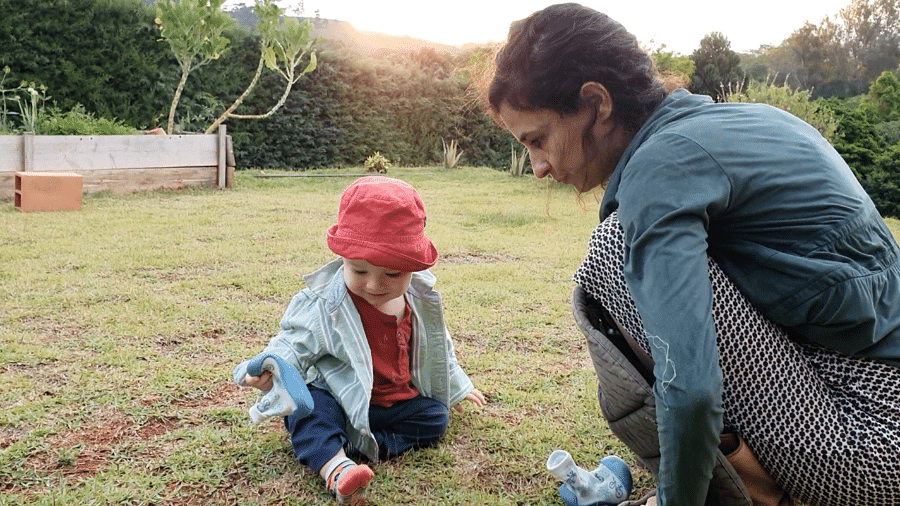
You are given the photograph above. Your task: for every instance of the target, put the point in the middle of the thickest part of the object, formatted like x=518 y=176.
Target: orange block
x=48 y=191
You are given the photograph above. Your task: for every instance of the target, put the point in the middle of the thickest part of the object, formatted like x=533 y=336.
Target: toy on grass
x=288 y=393
x=608 y=484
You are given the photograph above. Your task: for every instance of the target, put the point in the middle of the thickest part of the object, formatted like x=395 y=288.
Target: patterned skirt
x=826 y=426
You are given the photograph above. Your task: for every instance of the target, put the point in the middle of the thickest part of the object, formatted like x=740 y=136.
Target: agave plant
x=451 y=153
x=517 y=161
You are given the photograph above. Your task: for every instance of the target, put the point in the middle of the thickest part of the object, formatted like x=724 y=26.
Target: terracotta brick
x=48 y=191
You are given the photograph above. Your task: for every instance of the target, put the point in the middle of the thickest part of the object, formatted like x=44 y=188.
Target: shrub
x=883 y=183
x=102 y=54
x=889 y=132
x=79 y=122
x=377 y=163
x=400 y=103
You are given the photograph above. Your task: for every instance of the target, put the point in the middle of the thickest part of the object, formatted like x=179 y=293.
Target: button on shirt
x=389 y=341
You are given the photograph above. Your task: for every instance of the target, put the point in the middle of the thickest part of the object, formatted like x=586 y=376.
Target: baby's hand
x=475 y=396
x=262 y=382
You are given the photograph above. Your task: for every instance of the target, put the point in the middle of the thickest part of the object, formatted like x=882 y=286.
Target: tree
x=193 y=29
x=771 y=64
x=884 y=97
x=283 y=44
x=872 y=36
x=808 y=50
x=716 y=67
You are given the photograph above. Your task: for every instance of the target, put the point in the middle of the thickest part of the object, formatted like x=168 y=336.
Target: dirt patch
x=86 y=450
x=222 y=394
x=155 y=427
x=8 y=436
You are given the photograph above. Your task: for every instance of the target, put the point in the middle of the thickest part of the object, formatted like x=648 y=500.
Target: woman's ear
x=597 y=95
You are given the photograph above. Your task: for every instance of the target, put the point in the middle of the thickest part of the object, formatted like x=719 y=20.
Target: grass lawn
x=120 y=325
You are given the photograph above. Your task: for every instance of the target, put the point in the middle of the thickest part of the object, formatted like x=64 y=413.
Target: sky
x=678 y=25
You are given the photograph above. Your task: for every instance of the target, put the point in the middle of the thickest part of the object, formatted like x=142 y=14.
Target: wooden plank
x=10 y=153
x=130 y=180
x=27 y=152
x=120 y=163
x=230 y=155
x=77 y=153
x=311 y=175
x=7 y=185
x=220 y=156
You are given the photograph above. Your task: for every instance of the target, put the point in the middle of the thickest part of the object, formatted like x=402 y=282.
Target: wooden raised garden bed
x=120 y=163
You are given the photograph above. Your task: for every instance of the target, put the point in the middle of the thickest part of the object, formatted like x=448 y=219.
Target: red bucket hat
x=382 y=221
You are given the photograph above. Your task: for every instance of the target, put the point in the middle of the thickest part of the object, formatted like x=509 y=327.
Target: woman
x=737 y=254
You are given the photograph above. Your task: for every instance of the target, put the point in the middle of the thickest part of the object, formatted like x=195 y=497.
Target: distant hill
x=342 y=31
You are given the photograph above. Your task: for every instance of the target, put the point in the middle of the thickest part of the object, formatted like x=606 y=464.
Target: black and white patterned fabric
x=826 y=426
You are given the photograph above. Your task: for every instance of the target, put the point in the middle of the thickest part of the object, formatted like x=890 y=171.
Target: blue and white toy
x=609 y=484
x=288 y=393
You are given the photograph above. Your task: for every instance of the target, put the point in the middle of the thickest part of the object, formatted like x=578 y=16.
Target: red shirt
x=389 y=342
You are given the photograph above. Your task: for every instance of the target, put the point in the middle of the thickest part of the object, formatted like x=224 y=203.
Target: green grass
x=121 y=323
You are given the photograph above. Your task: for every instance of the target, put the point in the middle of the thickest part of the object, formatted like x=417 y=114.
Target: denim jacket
x=322 y=335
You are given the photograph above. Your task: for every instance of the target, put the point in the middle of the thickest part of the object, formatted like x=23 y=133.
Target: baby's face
x=376 y=285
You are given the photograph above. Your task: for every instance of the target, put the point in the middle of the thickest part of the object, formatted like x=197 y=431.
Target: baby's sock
x=347 y=481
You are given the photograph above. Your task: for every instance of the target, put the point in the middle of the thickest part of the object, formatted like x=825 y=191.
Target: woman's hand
x=475 y=397
x=262 y=382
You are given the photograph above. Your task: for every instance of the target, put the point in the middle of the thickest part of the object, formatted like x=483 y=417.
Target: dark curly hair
x=549 y=55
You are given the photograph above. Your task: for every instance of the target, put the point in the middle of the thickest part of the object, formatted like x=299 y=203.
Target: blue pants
x=414 y=423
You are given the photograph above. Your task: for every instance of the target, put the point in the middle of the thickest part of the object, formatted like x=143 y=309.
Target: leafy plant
x=29 y=107
x=377 y=163
x=5 y=113
x=283 y=44
x=193 y=29
x=195 y=32
x=676 y=69
x=78 y=121
x=883 y=98
x=889 y=131
x=517 y=161
x=452 y=153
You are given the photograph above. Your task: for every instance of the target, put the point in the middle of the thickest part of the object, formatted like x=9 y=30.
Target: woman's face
x=579 y=149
